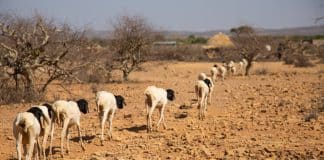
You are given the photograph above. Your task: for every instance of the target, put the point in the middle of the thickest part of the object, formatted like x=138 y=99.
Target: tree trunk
x=125 y=75
x=248 y=67
x=16 y=81
x=29 y=81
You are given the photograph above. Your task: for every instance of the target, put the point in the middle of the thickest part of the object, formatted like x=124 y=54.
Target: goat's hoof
x=110 y=138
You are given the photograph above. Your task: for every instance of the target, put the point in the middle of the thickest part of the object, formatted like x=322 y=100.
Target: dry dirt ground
x=256 y=117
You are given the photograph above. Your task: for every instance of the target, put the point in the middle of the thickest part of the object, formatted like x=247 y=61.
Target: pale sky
x=181 y=15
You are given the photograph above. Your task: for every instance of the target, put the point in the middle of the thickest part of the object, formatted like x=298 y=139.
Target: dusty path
x=258 y=116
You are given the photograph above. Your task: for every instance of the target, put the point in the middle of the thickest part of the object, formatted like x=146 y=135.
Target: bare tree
x=34 y=50
x=242 y=30
x=249 y=43
x=132 y=37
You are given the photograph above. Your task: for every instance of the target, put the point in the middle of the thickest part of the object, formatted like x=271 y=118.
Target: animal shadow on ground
x=12 y=158
x=135 y=128
x=181 y=115
x=85 y=138
x=54 y=150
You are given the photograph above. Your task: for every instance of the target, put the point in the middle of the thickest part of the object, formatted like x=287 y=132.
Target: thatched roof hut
x=219 y=40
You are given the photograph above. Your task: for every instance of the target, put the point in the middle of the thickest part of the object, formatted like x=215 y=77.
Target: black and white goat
x=69 y=113
x=157 y=97
x=107 y=104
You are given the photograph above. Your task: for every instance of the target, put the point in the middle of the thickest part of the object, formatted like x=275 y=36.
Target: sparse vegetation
x=289 y=59
x=192 y=39
x=261 y=71
x=276 y=113
x=298 y=60
x=9 y=95
x=302 y=61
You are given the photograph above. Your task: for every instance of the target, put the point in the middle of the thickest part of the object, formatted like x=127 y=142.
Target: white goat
x=69 y=113
x=157 y=97
x=202 y=90
x=26 y=130
x=202 y=76
x=231 y=67
x=243 y=65
x=221 y=71
x=107 y=104
x=214 y=72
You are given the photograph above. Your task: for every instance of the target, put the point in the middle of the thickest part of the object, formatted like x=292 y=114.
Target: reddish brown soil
x=255 y=117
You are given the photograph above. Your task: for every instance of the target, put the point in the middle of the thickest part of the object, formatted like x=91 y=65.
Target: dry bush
x=298 y=53
x=261 y=71
x=321 y=54
x=88 y=76
x=298 y=60
x=35 y=52
x=312 y=115
x=9 y=94
x=289 y=59
x=302 y=61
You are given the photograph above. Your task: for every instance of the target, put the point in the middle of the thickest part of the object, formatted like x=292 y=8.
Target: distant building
x=165 y=43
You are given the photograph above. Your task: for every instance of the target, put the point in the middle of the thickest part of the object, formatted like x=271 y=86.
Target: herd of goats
x=40 y=120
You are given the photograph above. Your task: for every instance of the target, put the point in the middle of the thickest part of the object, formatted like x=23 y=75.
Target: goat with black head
x=157 y=98
x=107 y=104
x=70 y=112
x=120 y=101
x=170 y=94
x=83 y=106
